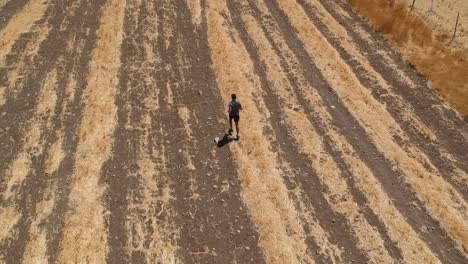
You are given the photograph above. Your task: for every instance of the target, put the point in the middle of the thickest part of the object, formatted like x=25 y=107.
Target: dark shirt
x=234 y=106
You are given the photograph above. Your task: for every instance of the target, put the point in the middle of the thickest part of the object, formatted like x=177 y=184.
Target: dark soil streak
x=358 y=196
x=16 y=113
x=205 y=222
x=391 y=180
x=9 y=10
x=339 y=232
x=223 y=214
x=431 y=149
x=120 y=173
x=449 y=128
x=86 y=20
x=37 y=185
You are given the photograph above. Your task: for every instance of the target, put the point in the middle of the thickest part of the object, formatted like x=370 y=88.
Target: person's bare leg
x=237 y=128
x=230 y=125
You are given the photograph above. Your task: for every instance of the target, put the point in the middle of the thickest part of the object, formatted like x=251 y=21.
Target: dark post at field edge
x=412 y=5
x=455 y=30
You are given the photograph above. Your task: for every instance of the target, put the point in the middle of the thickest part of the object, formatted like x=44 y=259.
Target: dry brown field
x=109 y=108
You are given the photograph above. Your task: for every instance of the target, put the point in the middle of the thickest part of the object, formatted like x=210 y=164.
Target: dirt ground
x=109 y=108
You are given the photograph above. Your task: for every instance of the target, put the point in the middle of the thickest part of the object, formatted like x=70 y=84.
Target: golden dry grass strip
x=441 y=199
x=19 y=24
x=184 y=114
x=8 y=217
x=195 y=10
x=36 y=249
x=263 y=190
x=160 y=249
x=444 y=67
x=85 y=236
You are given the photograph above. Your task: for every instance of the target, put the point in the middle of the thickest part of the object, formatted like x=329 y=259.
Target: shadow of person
x=225 y=140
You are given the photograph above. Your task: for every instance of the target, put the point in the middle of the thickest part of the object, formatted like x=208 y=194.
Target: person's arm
x=240 y=106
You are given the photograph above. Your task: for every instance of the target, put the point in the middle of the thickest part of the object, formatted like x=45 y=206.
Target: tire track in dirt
x=449 y=127
x=431 y=148
x=366 y=150
x=119 y=171
x=38 y=177
x=140 y=227
x=331 y=153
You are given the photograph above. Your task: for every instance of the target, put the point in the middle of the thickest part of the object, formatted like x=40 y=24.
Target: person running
x=234 y=108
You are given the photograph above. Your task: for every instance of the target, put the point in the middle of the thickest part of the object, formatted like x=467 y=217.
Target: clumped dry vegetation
x=444 y=67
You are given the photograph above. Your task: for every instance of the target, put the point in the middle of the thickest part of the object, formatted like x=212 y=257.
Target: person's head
x=233 y=97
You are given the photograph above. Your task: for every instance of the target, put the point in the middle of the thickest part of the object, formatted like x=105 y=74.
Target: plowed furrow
x=399 y=112
x=15 y=113
x=278 y=220
x=31 y=194
x=297 y=174
x=449 y=127
x=203 y=212
x=84 y=229
x=141 y=223
x=358 y=137
x=125 y=196
x=307 y=178
x=287 y=64
x=19 y=41
x=336 y=145
x=386 y=133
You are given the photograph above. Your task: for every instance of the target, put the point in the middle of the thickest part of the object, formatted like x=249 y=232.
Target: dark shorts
x=235 y=117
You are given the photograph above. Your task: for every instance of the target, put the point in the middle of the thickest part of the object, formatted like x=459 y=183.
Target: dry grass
x=184 y=114
x=263 y=190
x=440 y=197
x=20 y=167
x=162 y=248
x=85 y=234
x=36 y=249
x=311 y=144
x=195 y=10
x=19 y=24
x=444 y=67
x=56 y=151
x=2 y=3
